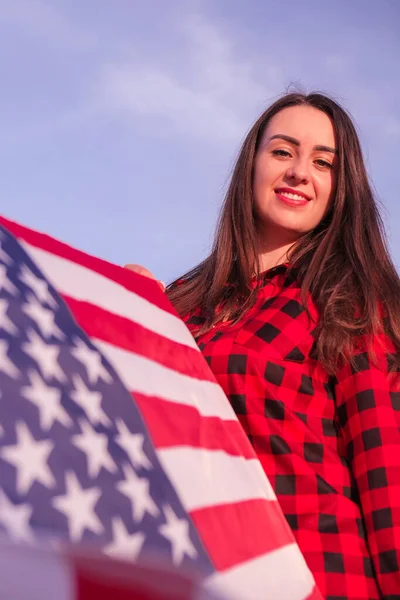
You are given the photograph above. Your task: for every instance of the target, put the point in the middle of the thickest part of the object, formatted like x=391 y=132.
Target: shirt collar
x=271 y=273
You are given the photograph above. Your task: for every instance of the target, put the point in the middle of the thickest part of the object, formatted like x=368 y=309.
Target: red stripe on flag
x=128 y=335
x=102 y=579
x=172 y=424
x=143 y=286
x=221 y=530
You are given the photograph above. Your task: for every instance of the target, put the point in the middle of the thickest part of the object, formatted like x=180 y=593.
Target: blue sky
x=120 y=121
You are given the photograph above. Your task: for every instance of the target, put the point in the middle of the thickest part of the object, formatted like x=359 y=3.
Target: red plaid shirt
x=329 y=445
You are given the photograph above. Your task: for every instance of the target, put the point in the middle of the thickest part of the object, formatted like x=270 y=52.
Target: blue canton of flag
x=76 y=461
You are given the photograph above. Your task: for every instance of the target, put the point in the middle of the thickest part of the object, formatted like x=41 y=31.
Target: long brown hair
x=343 y=263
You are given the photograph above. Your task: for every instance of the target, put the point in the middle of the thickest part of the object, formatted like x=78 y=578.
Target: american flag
x=115 y=435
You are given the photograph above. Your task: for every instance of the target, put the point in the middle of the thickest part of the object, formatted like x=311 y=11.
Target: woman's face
x=295 y=172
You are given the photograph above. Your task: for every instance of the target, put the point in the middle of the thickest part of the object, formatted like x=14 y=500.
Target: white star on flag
x=132 y=443
x=43 y=317
x=78 y=506
x=4 y=256
x=29 y=457
x=38 y=286
x=177 y=532
x=48 y=401
x=124 y=544
x=91 y=360
x=5 y=282
x=45 y=354
x=15 y=518
x=6 y=365
x=94 y=445
x=90 y=401
x=137 y=490
x=5 y=322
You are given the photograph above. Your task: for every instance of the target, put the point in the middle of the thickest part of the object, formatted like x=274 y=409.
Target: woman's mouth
x=291 y=197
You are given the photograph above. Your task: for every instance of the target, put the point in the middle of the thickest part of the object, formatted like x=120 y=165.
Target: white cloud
x=213 y=98
x=152 y=93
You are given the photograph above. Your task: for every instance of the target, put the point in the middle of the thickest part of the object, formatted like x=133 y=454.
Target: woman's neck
x=273 y=258
x=272 y=252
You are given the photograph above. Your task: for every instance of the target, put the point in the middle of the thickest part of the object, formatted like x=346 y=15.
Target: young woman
x=297 y=311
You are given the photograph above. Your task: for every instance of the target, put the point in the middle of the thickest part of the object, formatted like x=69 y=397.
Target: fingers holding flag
x=145 y=272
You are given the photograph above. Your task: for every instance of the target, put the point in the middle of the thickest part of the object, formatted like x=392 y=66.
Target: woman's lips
x=292 y=198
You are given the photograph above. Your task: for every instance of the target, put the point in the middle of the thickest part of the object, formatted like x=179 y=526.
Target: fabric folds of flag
x=115 y=435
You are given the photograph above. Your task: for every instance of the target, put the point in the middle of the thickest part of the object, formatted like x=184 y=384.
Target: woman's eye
x=323 y=163
x=279 y=152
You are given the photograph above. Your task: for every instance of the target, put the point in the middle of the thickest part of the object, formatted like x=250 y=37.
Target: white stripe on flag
x=215 y=477
x=83 y=284
x=281 y=574
x=142 y=375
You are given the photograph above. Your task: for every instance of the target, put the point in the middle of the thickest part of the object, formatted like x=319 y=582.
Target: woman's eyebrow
x=292 y=140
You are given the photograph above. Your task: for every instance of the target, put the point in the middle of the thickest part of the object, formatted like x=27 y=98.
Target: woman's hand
x=146 y=273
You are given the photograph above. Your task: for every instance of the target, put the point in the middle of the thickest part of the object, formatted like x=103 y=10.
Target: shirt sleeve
x=368 y=409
